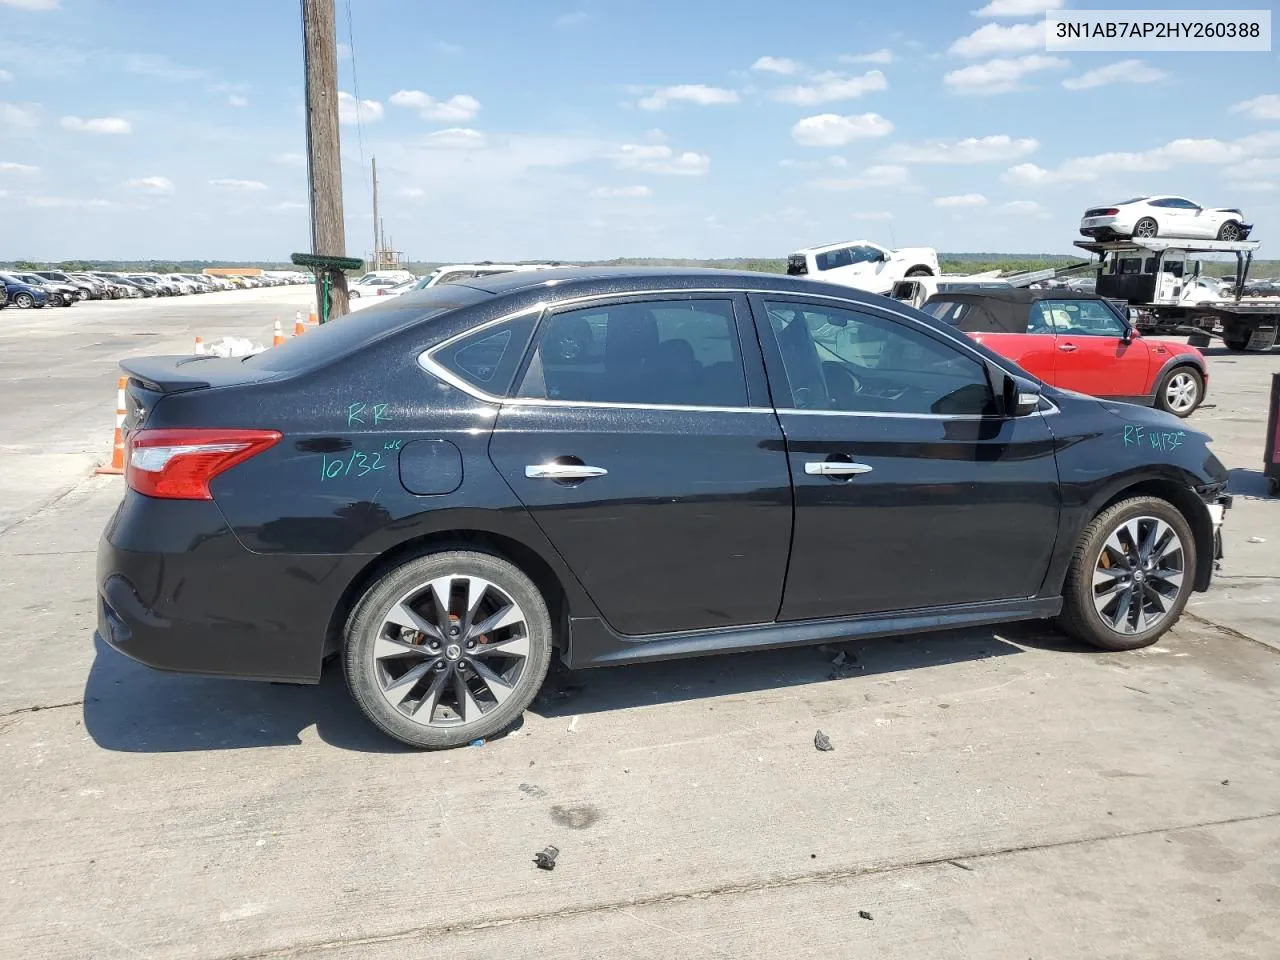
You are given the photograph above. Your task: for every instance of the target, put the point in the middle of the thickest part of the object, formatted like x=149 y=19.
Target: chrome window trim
x=427 y=361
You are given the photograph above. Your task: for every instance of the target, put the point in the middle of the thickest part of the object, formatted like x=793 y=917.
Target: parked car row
x=59 y=288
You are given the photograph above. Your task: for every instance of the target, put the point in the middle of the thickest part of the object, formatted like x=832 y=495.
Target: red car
x=1078 y=341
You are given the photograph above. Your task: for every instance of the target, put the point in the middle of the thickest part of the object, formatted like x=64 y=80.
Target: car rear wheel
x=24 y=301
x=1229 y=231
x=1130 y=576
x=1180 y=391
x=448 y=648
x=1146 y=228
x=919 y=272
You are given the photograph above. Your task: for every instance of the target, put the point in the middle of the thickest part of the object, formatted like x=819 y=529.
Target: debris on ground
x=864 y=915
x=532 y=790
x=822 y=742
x=477 y=743
x=546 y=858
x=233 y=347
x=573 y=724
x=1226 y=783
x=1257 y=539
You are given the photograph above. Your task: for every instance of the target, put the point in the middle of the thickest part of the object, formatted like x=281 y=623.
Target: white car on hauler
x=863 y=264
x=1145 y=218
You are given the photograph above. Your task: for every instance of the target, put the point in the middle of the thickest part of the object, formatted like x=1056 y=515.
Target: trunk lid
x=153 y=378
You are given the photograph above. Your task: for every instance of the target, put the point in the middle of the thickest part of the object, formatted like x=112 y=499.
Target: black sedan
x=611 y=467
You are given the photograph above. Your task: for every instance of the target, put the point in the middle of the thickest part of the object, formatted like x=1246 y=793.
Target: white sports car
x=1164 y=216
x=863 y=265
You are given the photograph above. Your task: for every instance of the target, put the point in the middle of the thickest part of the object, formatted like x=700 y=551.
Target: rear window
x=488 y=357
x=796 y=265
x=346 y=335
x=948 y=311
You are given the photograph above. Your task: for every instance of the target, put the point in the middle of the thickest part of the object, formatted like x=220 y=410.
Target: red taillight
x=382 y=292
x=177 y=464
x=1110 y=212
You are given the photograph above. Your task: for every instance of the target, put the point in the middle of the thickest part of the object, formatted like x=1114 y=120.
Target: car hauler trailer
x=1160 y=280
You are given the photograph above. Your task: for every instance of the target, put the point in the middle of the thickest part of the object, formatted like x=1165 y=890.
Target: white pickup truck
x=863 y=264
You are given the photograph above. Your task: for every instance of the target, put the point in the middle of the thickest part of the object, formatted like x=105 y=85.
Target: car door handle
x=563 y=471
x=835 y=468
x=1067 y=347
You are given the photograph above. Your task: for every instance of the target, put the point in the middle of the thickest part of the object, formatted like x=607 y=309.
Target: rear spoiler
x=165 y=374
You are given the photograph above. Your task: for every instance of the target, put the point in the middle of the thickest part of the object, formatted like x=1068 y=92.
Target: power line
x=355 y=87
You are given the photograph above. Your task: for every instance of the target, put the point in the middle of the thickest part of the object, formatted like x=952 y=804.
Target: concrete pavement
x=992 y=794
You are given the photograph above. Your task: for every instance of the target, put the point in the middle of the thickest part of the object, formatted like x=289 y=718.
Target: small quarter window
x=487 y=359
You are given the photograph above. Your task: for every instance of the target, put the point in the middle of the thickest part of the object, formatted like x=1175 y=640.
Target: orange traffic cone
x=277 y=334
x=311 y=317
x=199 y=350
x=297 y=318
x=299 y=328
x=117 y=441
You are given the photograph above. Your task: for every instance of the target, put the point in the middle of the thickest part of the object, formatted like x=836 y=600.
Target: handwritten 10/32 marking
x=360 y=462
x=1136 y=436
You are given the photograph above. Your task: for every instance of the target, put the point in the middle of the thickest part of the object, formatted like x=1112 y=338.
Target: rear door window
x=669 y=353
x=487 y=359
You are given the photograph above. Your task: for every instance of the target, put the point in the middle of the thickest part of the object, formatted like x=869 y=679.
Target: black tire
x=1146 y=228
x=366 y=620
x=919 y=272
x=1080 y=618
x=24 y=301
x=1184 y=374
x=1236 y=340
x=1229 y=231
x=353 y=293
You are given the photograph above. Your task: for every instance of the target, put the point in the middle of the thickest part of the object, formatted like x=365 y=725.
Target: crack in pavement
x=725 y=890
x=38 y=708
x=1229 y=631
x=47 y=505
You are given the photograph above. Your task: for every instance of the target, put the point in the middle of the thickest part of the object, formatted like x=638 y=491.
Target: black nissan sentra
x=616 y=466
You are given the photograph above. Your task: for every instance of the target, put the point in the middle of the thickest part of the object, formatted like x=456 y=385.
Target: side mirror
x=1019 y=397
x=1128 y=335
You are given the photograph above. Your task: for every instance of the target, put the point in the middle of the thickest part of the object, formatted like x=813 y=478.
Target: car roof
x=1016 y=294
x=606 y=280
x=823 y=248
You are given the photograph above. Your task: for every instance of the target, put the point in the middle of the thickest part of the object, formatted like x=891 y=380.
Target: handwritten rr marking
x=357 y=412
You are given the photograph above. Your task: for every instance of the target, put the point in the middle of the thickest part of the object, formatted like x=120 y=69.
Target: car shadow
x=673 y=681
x=131 y=708
x=1244 y=482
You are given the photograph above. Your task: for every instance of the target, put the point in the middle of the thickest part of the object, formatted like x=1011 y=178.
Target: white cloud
x=22 y=169
x=458 y=107
x=235 y=100
x=872 y=215
x=351 y=110
x=107 y=125
x=776 y=65
x=155 y=185
x=19 y=115
x=456 y=138
x=1264 y=107
x=160 y=68
x=698 y=93
x=411 y=193
x=999 y=76
x=990 y=149
x=5 y=76
x=344 y=51
x=993 y=39
x=571 y=19
x=284 y=205
x=660 y=158
x=446 y=48
x=289 y=159
x=883 y=55
x=243 y=185
x=1122 y=71
x=1089 y=168
x=609 y=193
x=1025 y=208
x=1017 y=8
x=1253 y=186
x=961 y=200
x=833 y=130
x=882 y=175
x=69 y=203
x=826 y=87
x=31 y=4
x=1250 y=169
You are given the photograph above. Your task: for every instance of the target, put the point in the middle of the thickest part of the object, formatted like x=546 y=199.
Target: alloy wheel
x=1146 y=229
x=23 y=301
x=1138 y=575
x=451 y=650
x=1229 y=232
x=1181 y=392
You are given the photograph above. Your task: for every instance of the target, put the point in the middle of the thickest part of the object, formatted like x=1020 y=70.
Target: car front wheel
x=1229 y=231
x=24 y=301
x=448 y=648
x=1180 y=391
x=1130 y=576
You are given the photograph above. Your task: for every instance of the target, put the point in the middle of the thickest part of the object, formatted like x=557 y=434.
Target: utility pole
x=377 y=246
x=324 y=158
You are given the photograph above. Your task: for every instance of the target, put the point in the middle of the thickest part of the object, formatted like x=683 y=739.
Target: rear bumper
x=177 y=591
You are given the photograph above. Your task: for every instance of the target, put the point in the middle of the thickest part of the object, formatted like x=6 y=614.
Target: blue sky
x=577 y=129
